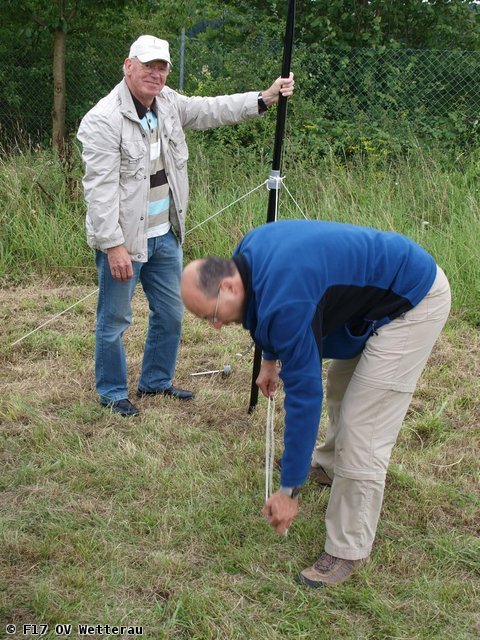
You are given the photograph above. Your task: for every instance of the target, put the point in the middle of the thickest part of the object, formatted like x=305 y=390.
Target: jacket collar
x=142 y=109
x=128 y=103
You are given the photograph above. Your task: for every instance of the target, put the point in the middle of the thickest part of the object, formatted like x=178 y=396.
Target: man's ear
x=232 y=284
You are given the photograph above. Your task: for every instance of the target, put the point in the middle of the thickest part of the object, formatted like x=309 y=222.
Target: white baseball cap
x=148 y=48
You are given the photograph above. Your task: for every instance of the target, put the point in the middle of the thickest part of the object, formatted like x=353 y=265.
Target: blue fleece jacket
x=319 y=289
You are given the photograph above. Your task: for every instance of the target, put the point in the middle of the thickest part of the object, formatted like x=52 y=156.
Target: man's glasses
x=151 y=67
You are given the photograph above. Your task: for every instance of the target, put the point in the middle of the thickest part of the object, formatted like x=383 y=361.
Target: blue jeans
x=160 y=278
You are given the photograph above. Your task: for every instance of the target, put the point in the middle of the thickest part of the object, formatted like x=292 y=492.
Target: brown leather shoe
x=328 y=571
x=318 y=475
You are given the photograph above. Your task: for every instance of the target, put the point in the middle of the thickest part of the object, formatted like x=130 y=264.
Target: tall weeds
x=431 y=198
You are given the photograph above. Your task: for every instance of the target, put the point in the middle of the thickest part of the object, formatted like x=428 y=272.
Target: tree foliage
x=433 y=24
x=71 y=52
x=43 y=26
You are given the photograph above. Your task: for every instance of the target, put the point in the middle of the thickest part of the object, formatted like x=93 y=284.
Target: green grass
x=41 y=221
x=432 y=198
x=156 y=521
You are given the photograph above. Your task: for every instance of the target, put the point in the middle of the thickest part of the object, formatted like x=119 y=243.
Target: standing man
x=373 y=301
x=136 y=188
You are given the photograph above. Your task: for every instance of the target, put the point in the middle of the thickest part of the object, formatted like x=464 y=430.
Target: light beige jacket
x=116 y=157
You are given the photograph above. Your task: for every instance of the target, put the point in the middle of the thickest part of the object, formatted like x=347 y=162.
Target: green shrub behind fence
x=350 y=99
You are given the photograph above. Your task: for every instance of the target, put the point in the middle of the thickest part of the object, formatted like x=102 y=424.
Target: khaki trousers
x=367 y=399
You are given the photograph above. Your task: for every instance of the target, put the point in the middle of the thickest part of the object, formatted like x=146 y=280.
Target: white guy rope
x=445 y=466
x=54 y=318
x=270 y=450
x=96 y=290
x=224 y=208
x=269 y=447
x=277 y=196
x=296 y=203
x=186 y=234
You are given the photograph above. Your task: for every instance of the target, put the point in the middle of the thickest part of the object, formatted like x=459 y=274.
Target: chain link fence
x=433 y=82
x=429 y=90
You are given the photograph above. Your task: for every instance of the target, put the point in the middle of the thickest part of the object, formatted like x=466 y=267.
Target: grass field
x=155 y=521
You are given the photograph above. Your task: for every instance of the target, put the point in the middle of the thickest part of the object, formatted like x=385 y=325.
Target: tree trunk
x=58 y=111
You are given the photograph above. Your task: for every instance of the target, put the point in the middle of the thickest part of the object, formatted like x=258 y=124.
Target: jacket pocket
x=132 y=161
x=176 y=144
x=179 y=153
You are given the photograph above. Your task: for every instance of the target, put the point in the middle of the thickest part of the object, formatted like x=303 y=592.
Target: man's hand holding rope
x=280 y=510
x=267 y=380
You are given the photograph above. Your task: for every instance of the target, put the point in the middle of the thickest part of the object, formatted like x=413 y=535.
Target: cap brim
x=150 y=57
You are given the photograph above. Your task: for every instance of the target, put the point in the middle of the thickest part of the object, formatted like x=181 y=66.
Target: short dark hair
x=211 y=271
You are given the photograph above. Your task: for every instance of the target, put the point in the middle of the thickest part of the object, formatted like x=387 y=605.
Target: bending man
x=375 y=302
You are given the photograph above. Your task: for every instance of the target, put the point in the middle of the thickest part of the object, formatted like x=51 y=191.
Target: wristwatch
x=291 y=492
x=262 y=107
